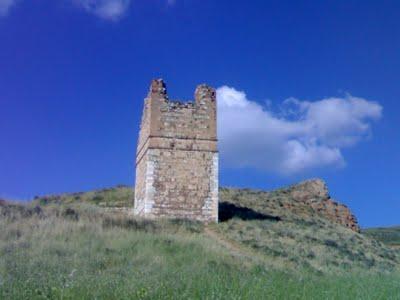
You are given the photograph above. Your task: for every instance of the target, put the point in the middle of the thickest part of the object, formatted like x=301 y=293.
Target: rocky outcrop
x=315 y=194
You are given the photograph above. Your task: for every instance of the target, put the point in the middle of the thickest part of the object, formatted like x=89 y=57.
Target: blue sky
x=305 y=89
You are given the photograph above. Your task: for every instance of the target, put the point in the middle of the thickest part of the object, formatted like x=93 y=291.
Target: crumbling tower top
x=158 y=89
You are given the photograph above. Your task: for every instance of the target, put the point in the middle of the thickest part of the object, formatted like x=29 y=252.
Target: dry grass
x=319 y=247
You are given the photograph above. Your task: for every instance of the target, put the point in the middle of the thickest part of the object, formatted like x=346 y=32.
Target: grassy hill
x=70 y=247
x=271 y=224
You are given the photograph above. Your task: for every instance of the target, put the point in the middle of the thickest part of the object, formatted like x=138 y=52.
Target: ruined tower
x=177 y=156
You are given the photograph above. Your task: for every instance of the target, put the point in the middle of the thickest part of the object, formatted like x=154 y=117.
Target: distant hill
x=388 y=235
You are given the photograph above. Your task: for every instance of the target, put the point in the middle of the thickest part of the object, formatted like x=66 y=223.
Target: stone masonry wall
x=177 y=157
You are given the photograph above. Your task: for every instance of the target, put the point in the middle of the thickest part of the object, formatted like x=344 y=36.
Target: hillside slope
x=282 y=224
x=296 y=227
x=307 y=200
x=81 y=251
x=284 y=244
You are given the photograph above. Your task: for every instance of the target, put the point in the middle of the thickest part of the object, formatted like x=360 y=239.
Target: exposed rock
x=315 y=194
x=310 y=189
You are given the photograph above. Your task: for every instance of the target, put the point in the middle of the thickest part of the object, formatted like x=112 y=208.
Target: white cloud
x=304 y=135
x=5 y=6
x=111 y=10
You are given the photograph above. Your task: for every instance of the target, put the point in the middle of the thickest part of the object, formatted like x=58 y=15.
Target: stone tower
x=177 y=156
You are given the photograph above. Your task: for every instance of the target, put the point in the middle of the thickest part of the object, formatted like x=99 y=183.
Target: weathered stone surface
x=315 y=194
x=177 y=156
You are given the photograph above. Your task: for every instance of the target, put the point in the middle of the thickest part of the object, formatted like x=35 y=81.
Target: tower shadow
x=229 y=211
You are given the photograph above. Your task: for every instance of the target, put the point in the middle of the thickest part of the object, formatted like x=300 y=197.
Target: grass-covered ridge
x=71 y=247
x=119 y=196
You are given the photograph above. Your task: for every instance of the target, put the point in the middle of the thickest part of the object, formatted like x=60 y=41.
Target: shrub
x=331 y=243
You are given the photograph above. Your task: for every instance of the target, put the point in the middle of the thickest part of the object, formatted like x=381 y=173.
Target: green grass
x=82 y=252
